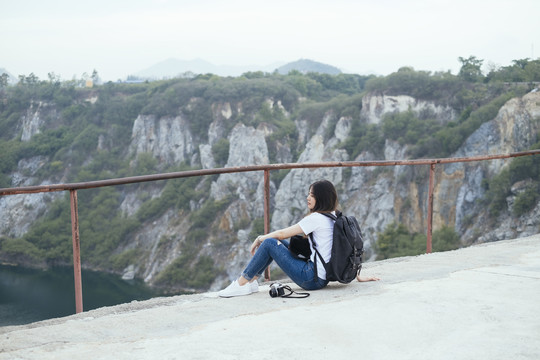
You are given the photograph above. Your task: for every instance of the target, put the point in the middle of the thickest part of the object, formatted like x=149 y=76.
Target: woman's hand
x=256 y=243
x=278 y=234
x=366 y=279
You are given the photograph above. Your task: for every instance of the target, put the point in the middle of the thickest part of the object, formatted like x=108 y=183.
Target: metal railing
x=73 y=187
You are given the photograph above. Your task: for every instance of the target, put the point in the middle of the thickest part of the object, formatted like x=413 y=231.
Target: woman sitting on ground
x=322 y=198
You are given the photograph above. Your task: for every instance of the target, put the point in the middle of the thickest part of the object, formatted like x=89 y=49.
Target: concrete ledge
x=479 y=302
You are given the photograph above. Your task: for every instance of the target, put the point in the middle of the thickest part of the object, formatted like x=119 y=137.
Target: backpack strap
x=328 y=215
x=316 y=274
x=332 y=216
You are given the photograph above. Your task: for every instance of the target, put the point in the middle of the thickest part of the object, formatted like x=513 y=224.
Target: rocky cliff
x=376 y=196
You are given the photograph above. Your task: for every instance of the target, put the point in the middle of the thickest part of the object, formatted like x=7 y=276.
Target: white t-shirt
x=322 y=229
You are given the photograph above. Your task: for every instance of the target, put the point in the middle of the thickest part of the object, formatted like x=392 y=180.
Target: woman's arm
x=278 y=234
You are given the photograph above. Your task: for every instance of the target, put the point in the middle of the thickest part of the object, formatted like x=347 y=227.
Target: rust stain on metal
x=430 y=207
x=76 y=251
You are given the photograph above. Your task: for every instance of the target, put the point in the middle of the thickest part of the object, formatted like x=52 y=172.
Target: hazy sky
x=121 y=37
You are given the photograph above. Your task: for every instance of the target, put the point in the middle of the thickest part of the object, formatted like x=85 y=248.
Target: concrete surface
x=480 y=302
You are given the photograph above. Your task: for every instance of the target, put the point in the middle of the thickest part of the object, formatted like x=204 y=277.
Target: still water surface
x=28 y=295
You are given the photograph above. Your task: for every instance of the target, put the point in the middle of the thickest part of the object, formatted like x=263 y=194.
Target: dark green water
x=28 y=295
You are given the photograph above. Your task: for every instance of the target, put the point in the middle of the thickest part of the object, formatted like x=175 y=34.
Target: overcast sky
x=122 y=37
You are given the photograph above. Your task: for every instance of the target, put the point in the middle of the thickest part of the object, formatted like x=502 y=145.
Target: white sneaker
x=235 y=290
x=254 y=286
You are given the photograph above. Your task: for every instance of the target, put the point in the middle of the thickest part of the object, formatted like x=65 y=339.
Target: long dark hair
x=325 y=195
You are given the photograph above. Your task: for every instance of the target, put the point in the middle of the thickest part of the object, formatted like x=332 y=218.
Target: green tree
x=146 y=164
x=526 y=201
x=95 y=77
x=471 y=69
x=4 y=80
x=220 y=151
x=53 y=78
x=498 y=188
x=31 y=79
x=522 y=70
x=396 y=241
x=445 y=239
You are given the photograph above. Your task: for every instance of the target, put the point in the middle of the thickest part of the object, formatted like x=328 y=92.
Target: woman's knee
x=267 y=245
x=270 y=242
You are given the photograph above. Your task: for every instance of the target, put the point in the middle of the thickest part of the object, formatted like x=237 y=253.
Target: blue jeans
x=300 y=271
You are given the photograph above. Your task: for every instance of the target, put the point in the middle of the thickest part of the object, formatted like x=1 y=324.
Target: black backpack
x=347 y=249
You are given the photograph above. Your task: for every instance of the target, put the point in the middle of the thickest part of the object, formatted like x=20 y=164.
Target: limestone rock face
x=343 y=128
x=35 y=119
x=513 y=129
x=207 y=159
x=247 y=146
x=374 y=106
x=168 y=139
x=221 y=113
x=19 y=212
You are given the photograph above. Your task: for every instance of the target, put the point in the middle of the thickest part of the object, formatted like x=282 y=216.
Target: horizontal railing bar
x=203 y=172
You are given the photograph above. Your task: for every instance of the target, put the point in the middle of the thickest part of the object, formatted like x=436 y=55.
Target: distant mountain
x=171 y=68
x=306 y=65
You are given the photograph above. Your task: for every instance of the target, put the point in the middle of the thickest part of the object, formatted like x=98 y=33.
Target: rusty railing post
x=76 y=251
x=267 y=212
x=430 y=207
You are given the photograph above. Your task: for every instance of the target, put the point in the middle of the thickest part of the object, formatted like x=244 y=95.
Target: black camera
x=276 y=290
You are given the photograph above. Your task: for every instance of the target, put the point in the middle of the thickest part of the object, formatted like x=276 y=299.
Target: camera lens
x=276 y=290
